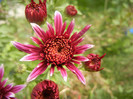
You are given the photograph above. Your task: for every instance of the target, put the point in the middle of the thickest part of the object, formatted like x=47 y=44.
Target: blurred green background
x=110 y=33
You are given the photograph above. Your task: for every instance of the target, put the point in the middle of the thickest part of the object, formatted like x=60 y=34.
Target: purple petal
x=75 y=61
x=31 y=57
x=37 y=71
x=36 y=40
x=39 y=32
x=81 y=58
x=63 y=72
x=75 y=70
x=8 y=87
x=82 y=31
x=3 y=83
x=63 y=28
x=9 y=94
x=1 y=71
x=26 y=48
x=52 y=70
x=58 y=22
x=17 y=88
x=51 y=29
x=69 y=29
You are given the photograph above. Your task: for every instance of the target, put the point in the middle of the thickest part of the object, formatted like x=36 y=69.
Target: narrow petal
x=39 y=32
x=3 y=83
x=102 y=55
x=1 y=71
x=52 y=70
x=81 y=58
x=63 y=72
x=17 y=88
x=36 y=40
x=75 y=70
x=75 y=61
x=58 y=22
x=31 y=57
x=77 y=42
x=8 y=95
x=82 y=31
x=37 y=71
x=84 y=47
x=69 y=29
x=8 y=87
x=63 y=28
x=51 y=29
x=73 y=36
x=25 y=48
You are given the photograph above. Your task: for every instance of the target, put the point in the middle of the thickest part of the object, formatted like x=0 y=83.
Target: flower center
x=58 y=51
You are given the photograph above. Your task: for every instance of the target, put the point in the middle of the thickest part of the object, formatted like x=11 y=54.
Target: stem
x=105 y=5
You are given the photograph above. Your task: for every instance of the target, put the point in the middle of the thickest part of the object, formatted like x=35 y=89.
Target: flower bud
x=36 y=13
x=71 y=10
x=94 y=63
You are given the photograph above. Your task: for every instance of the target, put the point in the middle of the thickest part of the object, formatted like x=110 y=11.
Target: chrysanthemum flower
x=45 y=90
x=8 y=91
x=36 y=13
x=56 y=47
x=71 y=10
x=94 y=63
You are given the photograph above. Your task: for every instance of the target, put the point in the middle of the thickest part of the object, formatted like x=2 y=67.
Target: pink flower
x=45 y=90
x=71 y=10
x=8 y=91
x=56 y=47
x=36 y=13
x=94 y=63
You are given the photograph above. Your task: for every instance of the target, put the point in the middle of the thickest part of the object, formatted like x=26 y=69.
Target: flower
x=8 y=91
x=36 y=13
x=56 y=47
x=45 y=90
x=94 y=63
x=71 y=10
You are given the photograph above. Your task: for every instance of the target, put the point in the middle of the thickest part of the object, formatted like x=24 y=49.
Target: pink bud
x=71 y=10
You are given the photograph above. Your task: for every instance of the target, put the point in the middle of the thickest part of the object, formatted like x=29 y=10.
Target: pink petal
x=26 y=48
x=63 y=28
x=77 y=42
x=36 y=40
x=17 y=88
x=58 y=22
x=52 y=70
x=51 y=29
x=1 y=71
x=8 y=95
x=82 y=31
x=81 y=58
x=31 y=57
x=75 y=61
x=41 y=67
x=75 y=70
x=73 y=36
x=69 y=29
x=63 y=72
x=8 y=87
x=39 y=32
x=3 y=83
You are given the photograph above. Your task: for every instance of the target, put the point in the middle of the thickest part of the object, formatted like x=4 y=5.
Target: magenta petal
x=81 y=58
x=3 y=83
x=58 y=22
x=39 y=32
x=84 y=47
x=52 y=70
x=74 y=61
x=82 y=31
x=17 y=88
x=9 y=94
x=41 y=67
x=69 y=29
x=31 y=57
x=73 y=36
x=26 y=48
x=1 y=71
x=36 y=40
x=63 y=28
x=63 y=72
x=75 y=70
x=77 y=42
x=8 y=87
x=51 y=29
